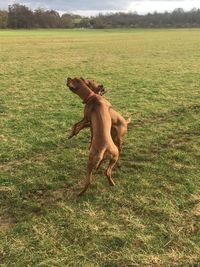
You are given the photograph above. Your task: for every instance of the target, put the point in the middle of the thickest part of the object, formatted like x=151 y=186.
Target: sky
x=93 y=7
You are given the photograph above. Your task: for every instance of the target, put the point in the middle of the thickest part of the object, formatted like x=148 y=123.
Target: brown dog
x=94 y=86
x=119 y=124
x=97 y=113
x=97 y=89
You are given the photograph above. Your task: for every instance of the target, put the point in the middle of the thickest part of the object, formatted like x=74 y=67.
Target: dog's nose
x=68 y=80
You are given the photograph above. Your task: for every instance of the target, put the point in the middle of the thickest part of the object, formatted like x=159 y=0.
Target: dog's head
x=74 y=84
x=80 y=88
x=94 y=86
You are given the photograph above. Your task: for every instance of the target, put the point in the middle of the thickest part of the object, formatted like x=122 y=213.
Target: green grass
x=151 y=217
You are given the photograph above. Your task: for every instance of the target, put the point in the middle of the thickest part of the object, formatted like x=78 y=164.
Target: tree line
x=20 y=16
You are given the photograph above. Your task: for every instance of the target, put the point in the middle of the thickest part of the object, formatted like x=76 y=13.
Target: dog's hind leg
x=88 y=178
x=117 y=136
x=94 y=162
x=108 y=171
x=100 y=159
x=118 y=143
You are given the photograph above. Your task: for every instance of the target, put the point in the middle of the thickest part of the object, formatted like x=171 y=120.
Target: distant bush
x=19 y=16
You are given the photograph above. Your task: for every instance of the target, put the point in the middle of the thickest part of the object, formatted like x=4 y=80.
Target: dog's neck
x=85 y=93
x=88 y=97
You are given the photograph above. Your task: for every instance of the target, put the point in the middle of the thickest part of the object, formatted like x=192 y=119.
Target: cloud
x=141 y=6
x=4 y=3
x=78 y=4
x=150 y=6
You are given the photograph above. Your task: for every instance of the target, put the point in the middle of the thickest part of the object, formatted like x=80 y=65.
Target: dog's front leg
x=78 y=127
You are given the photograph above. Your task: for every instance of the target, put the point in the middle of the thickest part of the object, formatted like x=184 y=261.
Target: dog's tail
x=128 y=120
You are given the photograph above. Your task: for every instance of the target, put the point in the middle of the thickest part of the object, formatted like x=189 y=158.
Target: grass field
x=151 y=217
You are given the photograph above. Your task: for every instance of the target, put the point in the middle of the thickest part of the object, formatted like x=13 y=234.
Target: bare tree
x=3 y=19
x=19 y=16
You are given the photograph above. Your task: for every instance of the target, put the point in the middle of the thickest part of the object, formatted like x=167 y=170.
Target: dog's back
x=98 y=113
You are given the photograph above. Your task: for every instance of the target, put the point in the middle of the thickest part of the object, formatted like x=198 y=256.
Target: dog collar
x=87 y=98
